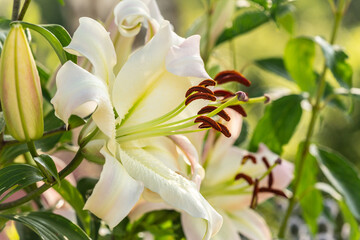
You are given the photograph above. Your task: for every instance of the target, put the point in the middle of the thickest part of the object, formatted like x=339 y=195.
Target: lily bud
x=20 y=89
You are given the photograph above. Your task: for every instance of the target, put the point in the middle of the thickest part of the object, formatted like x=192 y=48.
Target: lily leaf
x=47 y=162
x=274 y=65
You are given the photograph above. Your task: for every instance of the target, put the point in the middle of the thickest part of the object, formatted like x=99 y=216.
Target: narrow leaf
x=49 y=226
x=349 y=218
x=335 y=59
x=47 y=162
x=299 y=59
x=274 y=65
x=341 y=174
x=75 y=199
x=16 y=177
x=278 y=124
x=243 y=23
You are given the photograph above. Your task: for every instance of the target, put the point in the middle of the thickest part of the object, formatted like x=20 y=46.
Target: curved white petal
x=173 y=188
x=115 y=193
x=131 y=14
x=250 y=224
x=92 y=41
x=184 y=59
x=228 y=230
x=81 y=93
x=143 y=207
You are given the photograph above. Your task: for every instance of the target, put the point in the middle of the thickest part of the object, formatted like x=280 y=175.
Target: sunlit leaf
x=243 y=23
x=341 y=174
x=274 y=65
x=278 y=124
x=49 y=226
x=299 y=59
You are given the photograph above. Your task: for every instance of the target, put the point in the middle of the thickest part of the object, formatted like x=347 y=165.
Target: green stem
x=15 y=10
x=208 y=35
x=23 y=10
x=314 y=115
x=62 y=174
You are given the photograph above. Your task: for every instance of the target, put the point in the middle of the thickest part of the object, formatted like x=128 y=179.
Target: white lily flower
x=148 y=91
x=228 y=193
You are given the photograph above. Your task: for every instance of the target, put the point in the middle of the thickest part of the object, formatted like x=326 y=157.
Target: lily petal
x=184 y=60
x=250 y=224
x=81 y=93
x=92 y=41
x=117 y=189
x=174 y=189
x=143 y=207
x=228 y=230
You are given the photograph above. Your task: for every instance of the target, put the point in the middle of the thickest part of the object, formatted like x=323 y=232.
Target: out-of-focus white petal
x=141 y=72
x=131 y=14
x=250 y=224
x=184 y=59
x=81 y=93
x=92 y=41
x=228 y=230
x=115 y=193
x=174 y=189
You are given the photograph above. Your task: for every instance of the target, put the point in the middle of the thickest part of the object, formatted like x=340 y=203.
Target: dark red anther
x=204 y=125
x=242 y=96
x=231 y=76
x=247 y=157
x=278 y=161
x=247 y=178
x=267 y=98
x=208 y=109
x=223 y=93
x=207 y=82
x=271 y=176
x=198 y=89
x=199 y=95
x=208 y=121
x=254 y=198
x=224 y=130
x=239 y=109
x=274 y=191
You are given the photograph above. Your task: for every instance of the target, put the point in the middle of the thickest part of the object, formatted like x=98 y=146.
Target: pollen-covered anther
x=208 y=121
x=208 y=109
x=254 y=198
x=247 y=178
x=248 y=157
x=271 y=176
x=242 y=96
x=207 y=82
x=231 y=76
x=223 y=93
x=199 y=95
x=274 y=191
x=198 y=89
x=224 y=130
x=239 y=109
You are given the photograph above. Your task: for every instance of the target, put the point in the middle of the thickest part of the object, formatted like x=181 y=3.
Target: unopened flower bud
x=20 y=89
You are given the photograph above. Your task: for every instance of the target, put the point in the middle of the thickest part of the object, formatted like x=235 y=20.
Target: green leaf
x=299 y=59
x=287 y=22
x=49 y=226
x=310 y=198
x=341 y=174
x=51 y=38
x=47 y=162
x=2 y=122
x=278 y=124
x=62 y=35
x=16 y=177
x=44 y=77
x=86 y=185
x=274 y=65
x=76 y=121
x=263 y=3
x=61 y=2
x=335 y=59
x=4 y=30
x=75 y=199
x=349 y=218
x=243 y=23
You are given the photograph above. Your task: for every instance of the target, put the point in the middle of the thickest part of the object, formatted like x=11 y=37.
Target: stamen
x=247 y=157
x=199 y=95
x=225 y=130
x=231 y=76
x=223 y=93
x=267 y=98
x=208 y=109
x=209 y=122
x=247 y=178
x=242 y=96
x=207 y=82
x=278 y=161
x=274 y=191
x=238 y=109
x=198 y=89
x=254 y=198
x=204 y=125
x=271 y=176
